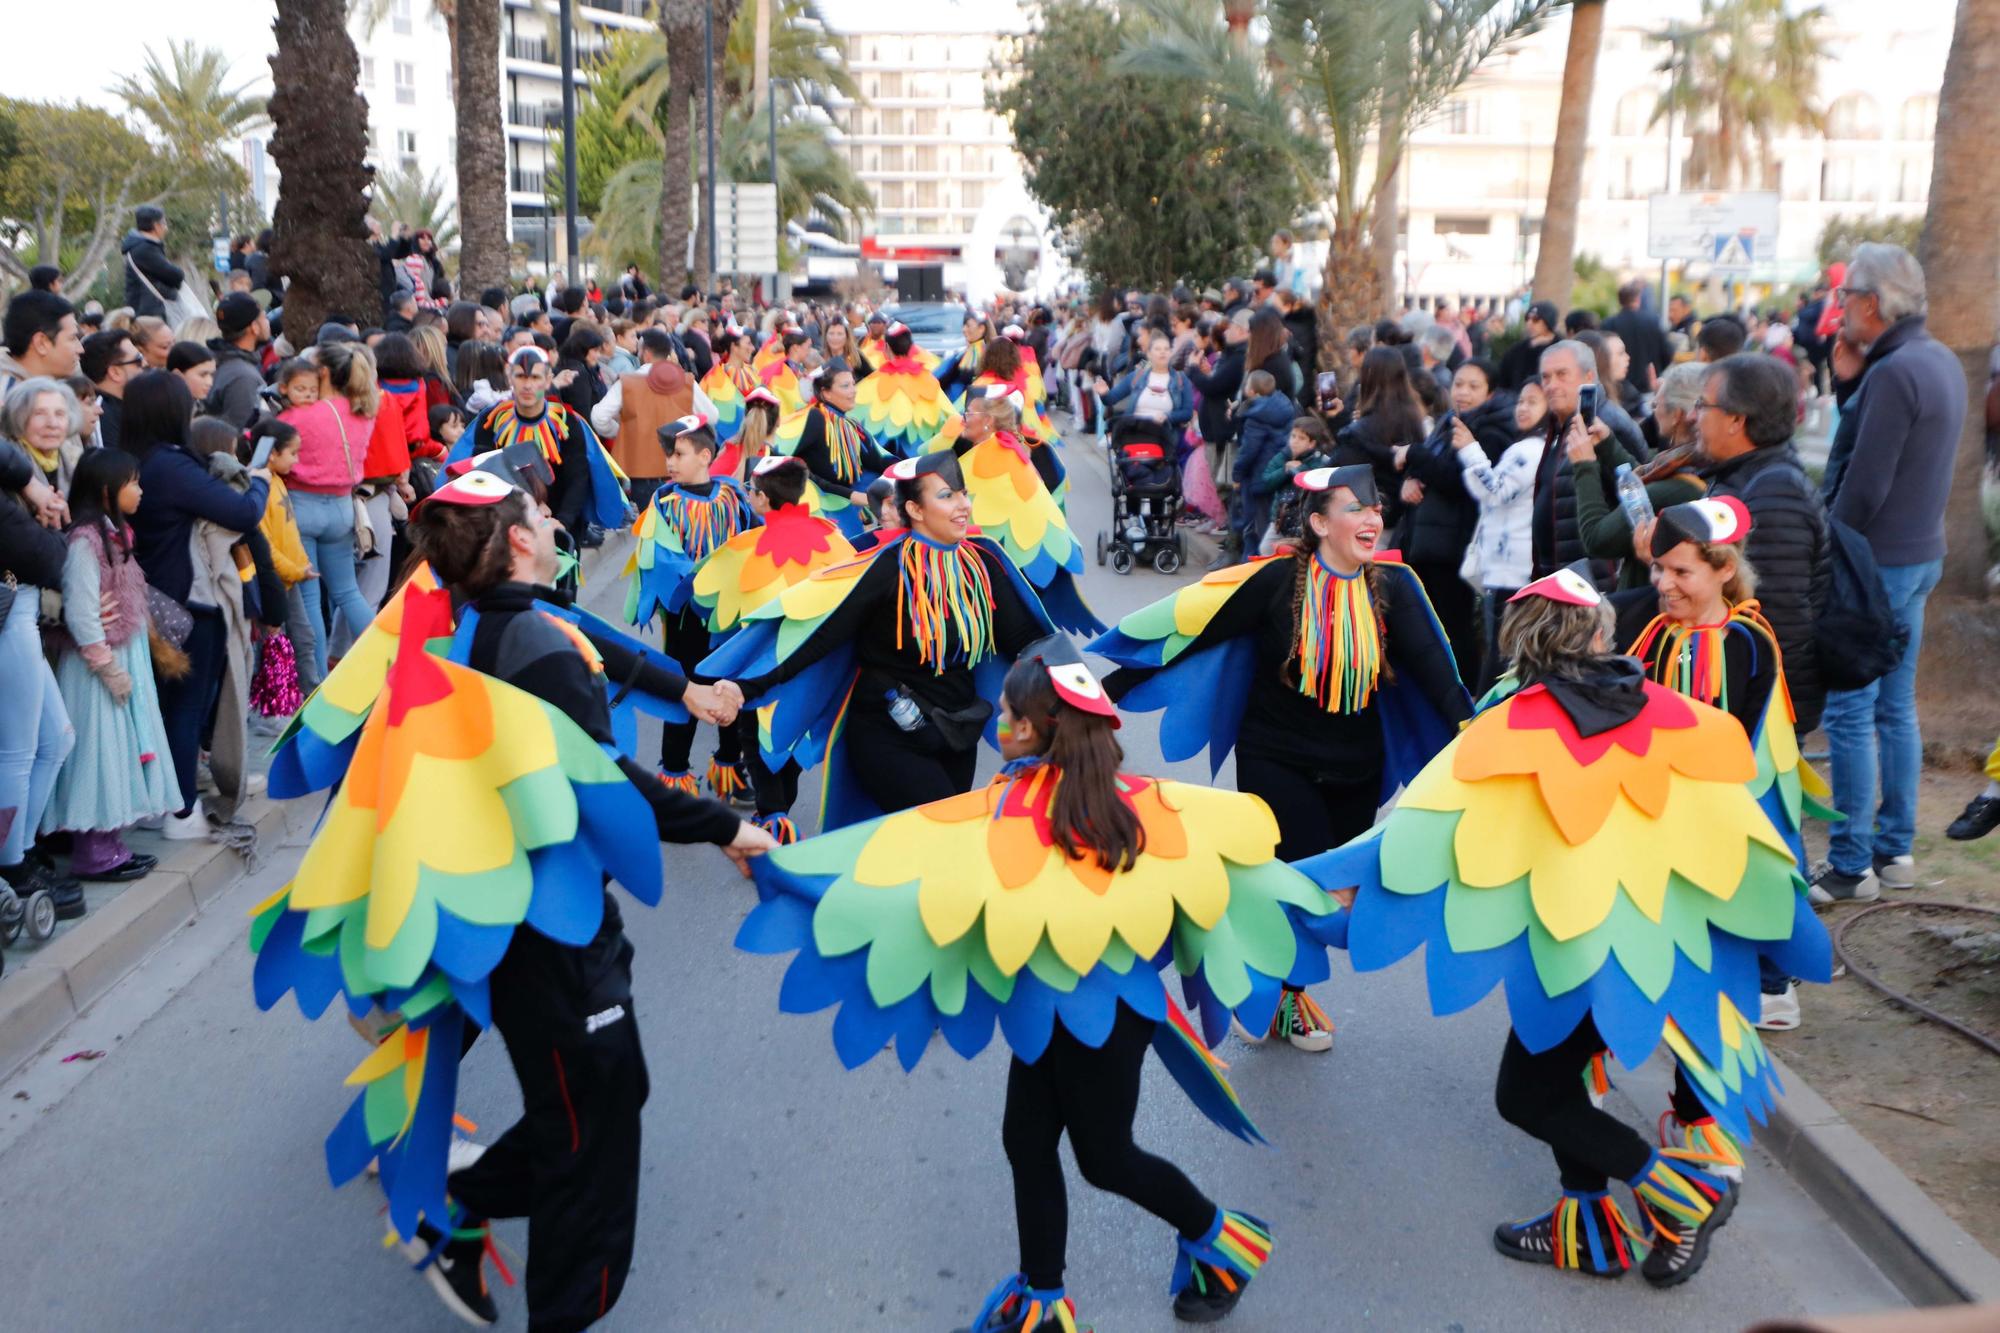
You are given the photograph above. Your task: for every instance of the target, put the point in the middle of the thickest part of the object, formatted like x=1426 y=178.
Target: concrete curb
x=1931 y=1259
x=77 y=968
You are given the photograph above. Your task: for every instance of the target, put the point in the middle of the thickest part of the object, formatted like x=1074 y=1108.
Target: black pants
x=777 y=790
x=1544 y=1095
x=1457 y=607
x=1313 y=815
x=899 y=769
x=1492 y=608
x=570 y=1165
x=687 y=642
x=1093 y=1094
x=187 y=705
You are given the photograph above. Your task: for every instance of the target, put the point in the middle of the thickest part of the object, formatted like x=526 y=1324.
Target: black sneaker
x=455 y=1270
x=592 y=538
x=1981 y=817
x=1672 y=1261
x=65 y=894
x=1834 y=886
x=1209 y=1295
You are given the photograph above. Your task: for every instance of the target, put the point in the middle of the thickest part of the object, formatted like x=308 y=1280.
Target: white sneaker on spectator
x=1896 y=872
x=1780 y=1013
x=190 y=827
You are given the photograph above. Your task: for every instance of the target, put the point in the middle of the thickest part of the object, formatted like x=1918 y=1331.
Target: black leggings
x=1544 y=1095
x=570 y=1165
x=1093 y=1094
x=1313 y=816
x=899 y=770
x=777 y=790
x=687 y=642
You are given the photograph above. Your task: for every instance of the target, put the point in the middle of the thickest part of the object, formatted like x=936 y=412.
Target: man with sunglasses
x=109 y=361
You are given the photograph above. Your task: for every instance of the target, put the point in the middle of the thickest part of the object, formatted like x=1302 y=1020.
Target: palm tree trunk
x=1348 y=294
x=1382 y=239
x=680 y=24
x=482 y=148
x=320 y=143
x=1555 y=263
x=1960 y=251
x=725 y=15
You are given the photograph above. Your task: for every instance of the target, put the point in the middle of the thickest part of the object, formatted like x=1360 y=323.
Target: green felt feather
x=260 y=927
x=384 y=1108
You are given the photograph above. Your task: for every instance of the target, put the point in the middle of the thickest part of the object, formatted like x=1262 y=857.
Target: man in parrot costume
x=746 y=572
x=589 y=489
x=458 y=877
x=1049 y=904
x=901 y=405
x=1592 y=843
x=687 y=521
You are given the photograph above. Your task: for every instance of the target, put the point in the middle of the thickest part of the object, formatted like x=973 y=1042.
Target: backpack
x=1857 y=633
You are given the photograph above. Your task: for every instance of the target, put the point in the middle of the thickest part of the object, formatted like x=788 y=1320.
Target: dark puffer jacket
x=1788 y=548
x=1558 y=540
x=1436 y=529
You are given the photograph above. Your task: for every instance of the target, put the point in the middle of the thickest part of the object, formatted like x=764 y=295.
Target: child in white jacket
x=1500 y=556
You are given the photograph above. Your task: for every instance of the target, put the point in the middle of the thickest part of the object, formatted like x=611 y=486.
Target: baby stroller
x=1145 y=498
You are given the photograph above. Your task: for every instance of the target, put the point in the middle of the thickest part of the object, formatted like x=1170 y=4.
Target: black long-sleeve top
x=817 y=455
x=871 y=619
x=1282 y=723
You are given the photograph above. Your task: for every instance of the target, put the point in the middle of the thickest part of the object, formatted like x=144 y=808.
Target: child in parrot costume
x=782 y=376
x=1003 y=367
x=1593 y=843
x=901 y=405
x=746 y=572
x=589 y=486
x=688 y=519
x=885 y=665
x=458 y=882
x=1011 y=505
x=1323 y=669
x=839 y=453
x=1049 y=903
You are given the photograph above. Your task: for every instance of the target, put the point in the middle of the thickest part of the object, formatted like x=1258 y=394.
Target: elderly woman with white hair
x=45 y=419
x=1670 y=478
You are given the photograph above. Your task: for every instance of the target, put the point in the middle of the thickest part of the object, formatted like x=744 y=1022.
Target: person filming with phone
x=1577 y=437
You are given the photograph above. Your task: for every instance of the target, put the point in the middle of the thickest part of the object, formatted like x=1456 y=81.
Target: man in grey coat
x=239 y=370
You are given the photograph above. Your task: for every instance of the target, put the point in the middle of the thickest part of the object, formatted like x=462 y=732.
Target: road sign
x=1732 y=230
x=746 y=228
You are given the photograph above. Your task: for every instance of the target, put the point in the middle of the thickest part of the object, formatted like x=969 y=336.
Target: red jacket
x=402 y=430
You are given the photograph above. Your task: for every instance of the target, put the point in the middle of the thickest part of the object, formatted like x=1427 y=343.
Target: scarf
x=702 y=522
x=844 y=441
x=1691 y=658
x=942 y=591
x=1340 y=644
x=546 y=432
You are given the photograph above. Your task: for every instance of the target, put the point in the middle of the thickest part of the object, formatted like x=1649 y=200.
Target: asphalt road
x=178 y=1183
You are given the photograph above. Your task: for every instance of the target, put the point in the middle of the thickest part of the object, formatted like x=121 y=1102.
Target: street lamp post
x=708 y=81
x=569 y=136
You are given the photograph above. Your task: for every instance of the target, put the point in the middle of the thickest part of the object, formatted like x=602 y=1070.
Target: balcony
x=637 y=9
x=535 y=49
x=526 y=182
x=535 y=115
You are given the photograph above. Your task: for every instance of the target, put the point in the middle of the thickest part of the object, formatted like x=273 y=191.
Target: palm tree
x=320 y=143
x=482 y=146
x=1743 y=71
x=419 y=199
x=804 y=59
x=678 y=82
x=188 y=103
x=1960 y=251
x=1332 y=76
x=1555 y=273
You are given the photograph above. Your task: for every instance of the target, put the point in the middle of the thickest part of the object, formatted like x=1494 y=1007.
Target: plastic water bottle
x=1632 y=497
x=903 y=710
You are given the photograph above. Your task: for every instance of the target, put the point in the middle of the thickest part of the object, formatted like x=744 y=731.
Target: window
x=892 y=84
x=1462 y=226
x=368 y=71
x=972 y=193
x=1635 y=111
x=892 y=124
x=406 y=83
x=927 y=157
x=1461 y=116
x=1853 y=117
x=1846 y=180
x=406 y=149
x=399 y=18
x=926 y=122
x=892 y=157
x=891 y=193
x=1913 y=185
x=1920 y=118
x=927 y=194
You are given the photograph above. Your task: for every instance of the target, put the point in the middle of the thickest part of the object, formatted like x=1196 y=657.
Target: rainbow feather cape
x=963 y=914
x=1012 y=506
x=1028 y=383
x=782 y=380
x=1629 y=877
x=902 y=405
x=801 y=720
x=677 y=530
x=844 y=513
x=465 y=810
x=752 y=567
x=1202 y=692
x=726 y=388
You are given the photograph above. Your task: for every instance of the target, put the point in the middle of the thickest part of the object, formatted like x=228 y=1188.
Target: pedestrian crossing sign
x=1735 y=249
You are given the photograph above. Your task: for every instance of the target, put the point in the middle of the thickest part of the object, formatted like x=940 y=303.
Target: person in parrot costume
x=1593 y=843
x=957 y=374
x=457 y=882
x=1049 y=903
x=1002 y=365
x=1011 y=504
x=839 y=453
x=773 y=349
x=886 y=665
x=1322 y=667
x=901 y=405
x=874 y=355
x=753 y=435
x=688 y=519
x=786 y=376
x=743 y=574
x=588 y=493
x=729 y=383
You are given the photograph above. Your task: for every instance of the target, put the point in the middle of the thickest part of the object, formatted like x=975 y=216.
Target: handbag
x=169 y=618
x=178 y=309
x=364 y=531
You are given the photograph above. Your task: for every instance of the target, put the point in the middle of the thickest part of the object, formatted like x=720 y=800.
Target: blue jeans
x=326 y=524
x=1880 y=720
x=35 y=735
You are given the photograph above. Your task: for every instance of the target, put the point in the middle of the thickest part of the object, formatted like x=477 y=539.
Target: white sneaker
x=462 y=1153
x=1780 y=1013
x=191 y=827
x=1896 y=872
x=253 y=783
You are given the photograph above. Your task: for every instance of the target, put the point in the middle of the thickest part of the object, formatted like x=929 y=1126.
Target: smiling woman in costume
x=1055 y=897
x=841 y=456
x=886 y=664
x=1323 y=668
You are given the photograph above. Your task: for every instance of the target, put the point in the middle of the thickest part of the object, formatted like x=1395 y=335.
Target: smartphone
x=262 y=454
x=1328 y=387
x=1586 y=404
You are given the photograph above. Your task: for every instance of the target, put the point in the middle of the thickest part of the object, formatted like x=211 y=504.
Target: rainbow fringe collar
x=1340 y=643
x=946 y=602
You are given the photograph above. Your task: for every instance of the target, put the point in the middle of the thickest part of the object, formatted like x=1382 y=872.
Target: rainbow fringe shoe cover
x=963 y=914
x=1629 y=877
x=465 y=809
